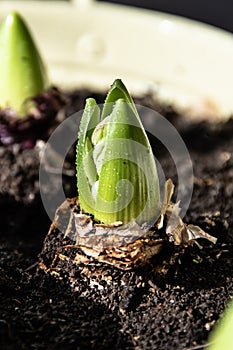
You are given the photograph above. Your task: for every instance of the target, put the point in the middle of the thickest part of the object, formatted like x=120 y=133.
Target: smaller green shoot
x=222 y=336
x=195 y=261
x=117 y=177
x=23 y=74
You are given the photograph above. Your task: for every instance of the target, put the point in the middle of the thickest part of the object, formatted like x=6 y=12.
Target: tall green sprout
x=116 y=172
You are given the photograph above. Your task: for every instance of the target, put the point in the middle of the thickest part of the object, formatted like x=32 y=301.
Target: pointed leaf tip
x=23 y=73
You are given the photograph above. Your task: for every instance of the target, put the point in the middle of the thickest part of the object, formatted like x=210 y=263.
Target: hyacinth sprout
x=116 y=171
x=23 y=74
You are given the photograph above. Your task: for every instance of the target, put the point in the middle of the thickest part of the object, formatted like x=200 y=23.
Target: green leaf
x=23 y=74
x=222 y=338
x=116 y=92
x=86 y=169
x=89 y=121
x=119 y=150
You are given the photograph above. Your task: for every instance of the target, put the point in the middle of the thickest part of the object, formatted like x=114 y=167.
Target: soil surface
x=117 y=309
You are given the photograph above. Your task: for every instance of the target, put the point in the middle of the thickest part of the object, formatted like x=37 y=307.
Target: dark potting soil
x=117 y=309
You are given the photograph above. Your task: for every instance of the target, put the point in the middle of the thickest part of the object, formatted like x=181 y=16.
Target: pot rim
x=89 y=43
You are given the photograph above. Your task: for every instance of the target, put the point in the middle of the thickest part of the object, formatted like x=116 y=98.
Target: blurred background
x=215 y=12
x=218 y=13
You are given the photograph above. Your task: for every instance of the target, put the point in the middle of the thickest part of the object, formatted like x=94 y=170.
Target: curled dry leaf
x=179 y=232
